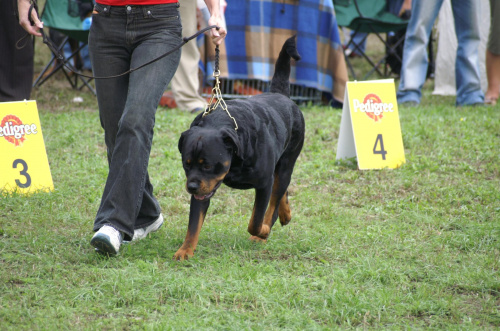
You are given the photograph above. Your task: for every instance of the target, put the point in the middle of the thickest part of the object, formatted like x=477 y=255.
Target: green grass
x=417 y=247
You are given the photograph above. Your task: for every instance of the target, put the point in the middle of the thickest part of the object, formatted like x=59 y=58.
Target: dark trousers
x=16 y=65
x=122 y=38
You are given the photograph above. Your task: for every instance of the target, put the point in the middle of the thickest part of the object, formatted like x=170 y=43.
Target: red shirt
x=134 y=2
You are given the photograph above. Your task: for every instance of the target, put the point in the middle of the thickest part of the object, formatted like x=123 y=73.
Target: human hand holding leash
x=216 y=19
x=26 y=16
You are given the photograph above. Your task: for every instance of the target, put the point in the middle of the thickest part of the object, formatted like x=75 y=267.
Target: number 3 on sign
x=21 y=142
x=23 y=173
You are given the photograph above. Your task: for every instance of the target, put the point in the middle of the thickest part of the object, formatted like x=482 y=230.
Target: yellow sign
x=370 y=128
x=24 y=166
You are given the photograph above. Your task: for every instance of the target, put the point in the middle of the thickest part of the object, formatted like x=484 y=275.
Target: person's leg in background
x=185 y=84
x=358 y=45
x=83 y=56
x=16 y=65
x=493 y=73
x=468 y=80
x=493 y=55
x=415 y=57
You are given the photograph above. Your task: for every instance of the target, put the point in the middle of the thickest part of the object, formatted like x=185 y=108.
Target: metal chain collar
x=216 y=99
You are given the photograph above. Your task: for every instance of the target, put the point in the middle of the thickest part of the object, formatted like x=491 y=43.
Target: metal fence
x=244 y=88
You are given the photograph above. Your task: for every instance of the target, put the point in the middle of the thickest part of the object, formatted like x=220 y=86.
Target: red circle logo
x=374 y=99
x=9 y=122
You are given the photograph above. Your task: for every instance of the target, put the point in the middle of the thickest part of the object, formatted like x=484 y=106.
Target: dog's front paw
x=183 y=254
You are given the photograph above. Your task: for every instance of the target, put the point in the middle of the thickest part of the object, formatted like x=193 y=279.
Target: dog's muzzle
x=193 y=188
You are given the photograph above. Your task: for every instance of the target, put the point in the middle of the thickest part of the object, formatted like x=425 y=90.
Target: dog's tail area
x=280 y=82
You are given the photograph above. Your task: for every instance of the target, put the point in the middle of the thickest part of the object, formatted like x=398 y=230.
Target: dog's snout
x=193 y=186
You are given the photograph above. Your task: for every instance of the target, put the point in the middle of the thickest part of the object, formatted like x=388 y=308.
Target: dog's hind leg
x=278 y=204
x=197 y=213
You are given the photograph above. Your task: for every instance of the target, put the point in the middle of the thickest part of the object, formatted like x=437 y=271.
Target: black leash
x=47 y=41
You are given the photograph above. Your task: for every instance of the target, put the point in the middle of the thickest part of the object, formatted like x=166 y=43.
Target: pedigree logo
x=373 y=107
x=14 y=131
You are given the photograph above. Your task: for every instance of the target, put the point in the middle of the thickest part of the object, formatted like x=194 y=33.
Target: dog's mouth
x=209 y=195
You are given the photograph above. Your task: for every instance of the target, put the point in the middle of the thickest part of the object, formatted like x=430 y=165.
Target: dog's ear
x=181 y=140
x=230 y=138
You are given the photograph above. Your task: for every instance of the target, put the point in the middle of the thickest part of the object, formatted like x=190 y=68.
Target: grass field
x=412 y=248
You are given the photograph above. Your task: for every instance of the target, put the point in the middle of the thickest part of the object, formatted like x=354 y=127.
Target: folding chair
x=371 y=16
x=63 y=16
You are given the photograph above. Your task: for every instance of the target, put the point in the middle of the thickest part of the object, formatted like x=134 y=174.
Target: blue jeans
x=414 y=68
x=122 y=38
x=358 y=39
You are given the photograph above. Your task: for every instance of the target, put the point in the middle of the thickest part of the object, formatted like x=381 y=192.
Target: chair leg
x=44 y=72
x=75 y=53
x=356 y=48
x=349 y=64
x=390 y=50
x=75 y=80
x=43 y=77
x=84 y=81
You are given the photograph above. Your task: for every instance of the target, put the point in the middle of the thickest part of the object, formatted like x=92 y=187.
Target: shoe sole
x=103 y=246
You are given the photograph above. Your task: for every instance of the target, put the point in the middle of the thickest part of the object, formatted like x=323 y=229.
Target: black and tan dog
x=260 y=154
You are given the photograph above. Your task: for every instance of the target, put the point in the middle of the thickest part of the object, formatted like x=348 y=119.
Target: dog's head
x=206 y=157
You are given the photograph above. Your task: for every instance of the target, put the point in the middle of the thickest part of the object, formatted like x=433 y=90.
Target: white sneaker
x=143 y=232
x=107 y=240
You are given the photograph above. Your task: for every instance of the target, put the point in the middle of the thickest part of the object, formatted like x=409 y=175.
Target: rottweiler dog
x=259 y=154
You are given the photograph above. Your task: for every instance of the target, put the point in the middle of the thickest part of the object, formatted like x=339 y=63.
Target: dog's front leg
x=197 y=212
x=257 y=229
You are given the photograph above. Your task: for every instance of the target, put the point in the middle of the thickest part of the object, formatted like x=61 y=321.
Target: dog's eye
x=207 y=167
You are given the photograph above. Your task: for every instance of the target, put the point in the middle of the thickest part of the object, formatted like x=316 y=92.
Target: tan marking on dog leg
x=268 y=217
x=187 y=249
x=257 y=239
x=260 y=234
x=250 y=224
x=284 y=211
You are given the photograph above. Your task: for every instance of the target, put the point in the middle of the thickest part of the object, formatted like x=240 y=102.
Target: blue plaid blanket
x=257 y=30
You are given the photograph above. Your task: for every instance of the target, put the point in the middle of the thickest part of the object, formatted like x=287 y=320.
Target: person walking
x=123 y=37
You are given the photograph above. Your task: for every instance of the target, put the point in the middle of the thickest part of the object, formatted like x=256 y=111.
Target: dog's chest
x=238 y=178
x=242 y=178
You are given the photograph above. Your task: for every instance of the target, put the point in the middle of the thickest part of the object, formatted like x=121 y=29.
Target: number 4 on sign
x=24 y=167
x=379 y=142
x=370 y=130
